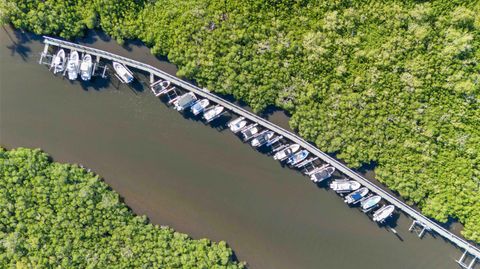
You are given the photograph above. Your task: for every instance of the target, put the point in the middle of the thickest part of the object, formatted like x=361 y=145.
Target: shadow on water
x=92 y=37
x=18 y=43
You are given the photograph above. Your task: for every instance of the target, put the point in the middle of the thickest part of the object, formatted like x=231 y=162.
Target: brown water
x=197 y=179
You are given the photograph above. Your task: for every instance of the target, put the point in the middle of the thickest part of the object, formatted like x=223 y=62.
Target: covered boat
x=58 y=62
x=287 y=152
x=355 y=196
x=185 y=101
x=383 y=213
x=125 y=75
x=200 y=106
x=237 y=124
x=262 y=139
x=249 y=133
x=370 y=202
x=86 y=67
x=213 y=113
x=72 y=65
x=298 y=157
x=322 y=174
x=344 y=185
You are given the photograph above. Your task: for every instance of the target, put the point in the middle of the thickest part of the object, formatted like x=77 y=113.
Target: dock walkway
x=460 y=242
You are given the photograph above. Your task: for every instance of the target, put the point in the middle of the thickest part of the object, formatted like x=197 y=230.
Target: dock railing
x=460 y=242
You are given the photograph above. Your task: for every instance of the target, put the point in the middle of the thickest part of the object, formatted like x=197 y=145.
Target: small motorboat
x=160 y=87
x=58 y=62
x=355 y=196
x=125 y=75
x=250 y=132
x=72 y=65
x=383 y=213
x=185 y=101
x=344 y=185
x=370 y=202
x=200 y=106
x=237 y=124
x=86 y=67
x=262 y=139
x=213 y=113
x=322 y=174
x=298 y=157
x=287 y=152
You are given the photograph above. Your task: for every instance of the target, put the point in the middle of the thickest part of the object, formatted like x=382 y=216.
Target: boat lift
x=464 y=260
x=314 y=169
x=273 y=141
x=419 y=228
x=306 y=162
x=164 y=86
x=248 y=127
x=277 y=149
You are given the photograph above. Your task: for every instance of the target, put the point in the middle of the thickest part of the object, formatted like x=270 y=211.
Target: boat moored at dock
x=213 y=113
x=355 y=196
x=383 y=213
x=297 y=157
x=185 y=101
x=58 y=62
x=237 y=124
x=262 y=138
x=200 y=106
x=86 y=67
x=160 y=87
x=344 y=185
x=123 y=73
x=286 y=152
x=250 y=133
x=322 y=174
x=371 y=202
x=72 y=65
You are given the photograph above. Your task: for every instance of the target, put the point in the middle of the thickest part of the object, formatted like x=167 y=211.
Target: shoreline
x=209 y=131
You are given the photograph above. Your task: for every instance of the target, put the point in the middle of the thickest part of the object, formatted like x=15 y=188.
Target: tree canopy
x=55 y=215
x=391 y=83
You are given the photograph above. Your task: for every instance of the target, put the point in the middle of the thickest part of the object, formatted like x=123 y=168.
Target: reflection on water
x=197 y=179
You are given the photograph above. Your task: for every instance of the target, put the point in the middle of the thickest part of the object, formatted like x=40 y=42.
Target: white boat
x=370 y=202
x=237 y=125
x=160 y=87
x=58 y=62
x=86 y=67
x=344 y=185
x=213 y=113
x=185 y=101
x=287 y=152
x=383 y=213
x=262 y=139
x=298 y=157
x=125 y=75
x=249 y=133
x=322 y=174
x=355 y=196
x=200 y=106
x=72 y=65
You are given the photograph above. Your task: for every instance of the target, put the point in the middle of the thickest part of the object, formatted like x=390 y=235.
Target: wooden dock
x=470 y=250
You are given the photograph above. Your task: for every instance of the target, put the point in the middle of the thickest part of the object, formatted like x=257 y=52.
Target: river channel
x=198 y=179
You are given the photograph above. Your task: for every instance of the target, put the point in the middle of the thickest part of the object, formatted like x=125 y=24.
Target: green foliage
x=395 y=83
x=56 y=215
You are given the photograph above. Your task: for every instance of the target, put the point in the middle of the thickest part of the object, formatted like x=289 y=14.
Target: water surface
x=197 y=179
